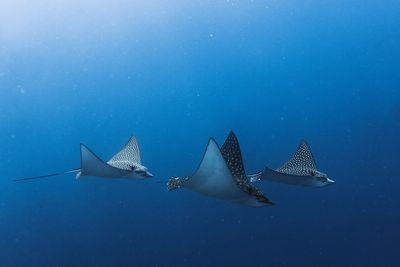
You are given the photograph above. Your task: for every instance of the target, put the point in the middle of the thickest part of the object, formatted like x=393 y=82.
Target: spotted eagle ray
x=125 y=164
x=221 y=175
x=301 y=169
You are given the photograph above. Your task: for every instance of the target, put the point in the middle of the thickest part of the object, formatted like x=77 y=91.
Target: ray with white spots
x=221 y=175
x=125 y=164
x=301 y=169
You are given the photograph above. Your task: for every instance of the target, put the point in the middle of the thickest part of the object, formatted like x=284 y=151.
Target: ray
x=92 y=165
x=219 y=177
x=301 y=169
x=126 y=163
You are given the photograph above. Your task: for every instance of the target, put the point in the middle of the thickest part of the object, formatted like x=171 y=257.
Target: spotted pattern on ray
x=129 y=156
x=302 y=163
x=233 y=157
x=257 y=193
x=176 y=182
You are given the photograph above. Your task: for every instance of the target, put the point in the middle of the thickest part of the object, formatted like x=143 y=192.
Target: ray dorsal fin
x=128 y=156
x=302 y=162
x=233 y=157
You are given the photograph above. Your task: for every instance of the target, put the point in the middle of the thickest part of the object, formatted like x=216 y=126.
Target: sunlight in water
x=25 y=23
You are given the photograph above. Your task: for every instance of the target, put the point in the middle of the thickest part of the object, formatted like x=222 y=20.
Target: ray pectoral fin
x=301 y=163
x=213 y=177
x=233 y=156
x=92 y=165
x=129 y=154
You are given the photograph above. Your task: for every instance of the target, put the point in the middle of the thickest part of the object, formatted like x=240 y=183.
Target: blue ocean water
x=174 y=73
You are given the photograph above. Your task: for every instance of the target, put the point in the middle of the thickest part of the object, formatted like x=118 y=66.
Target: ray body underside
x=91 y=165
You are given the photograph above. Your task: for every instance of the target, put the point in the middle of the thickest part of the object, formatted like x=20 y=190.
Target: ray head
x=321 y=179
x=142 y=171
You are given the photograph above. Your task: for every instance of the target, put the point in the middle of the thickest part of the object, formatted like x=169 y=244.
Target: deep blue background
x=174 y=74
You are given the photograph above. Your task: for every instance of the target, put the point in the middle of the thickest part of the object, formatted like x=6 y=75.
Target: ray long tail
x=47 y=175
